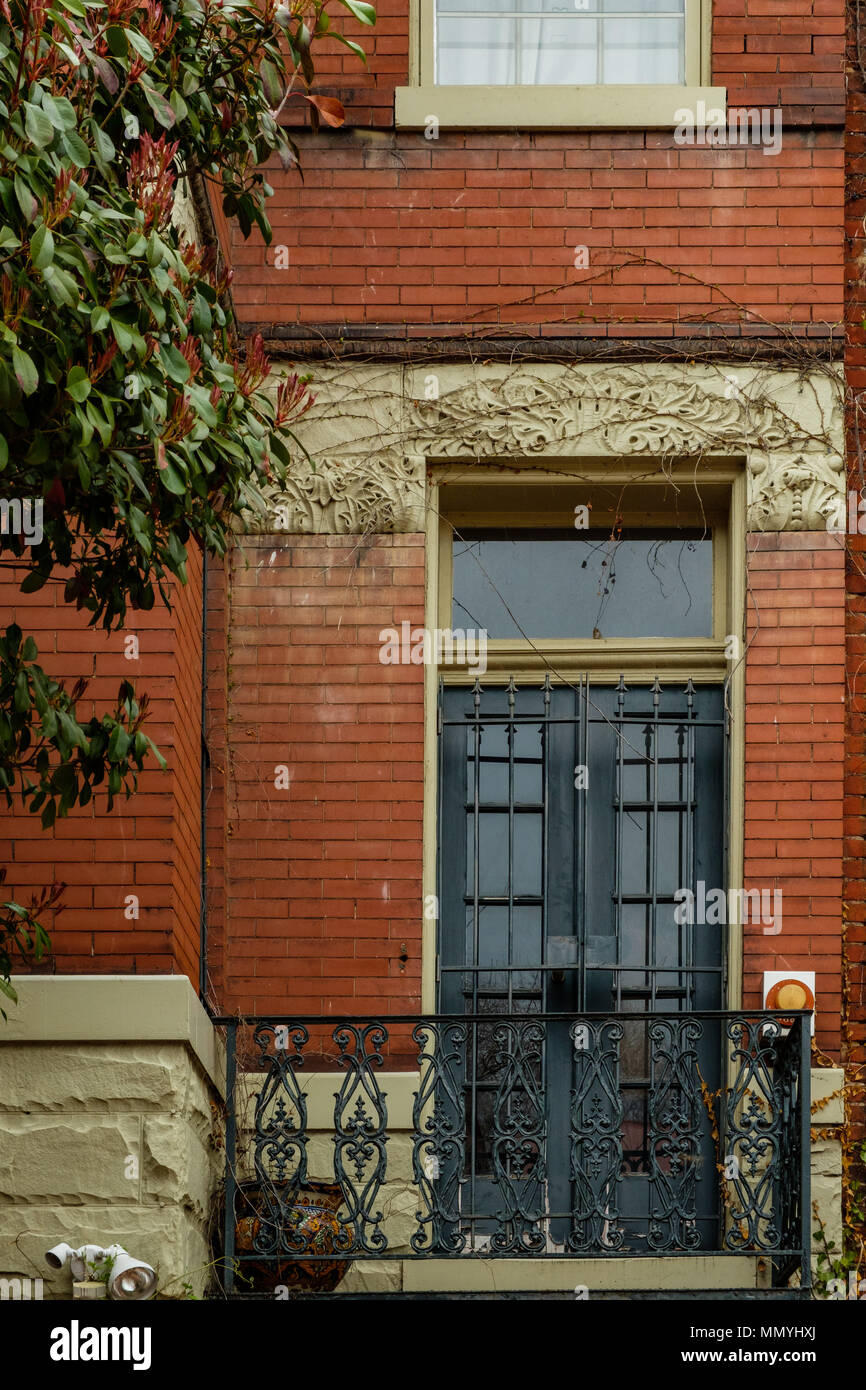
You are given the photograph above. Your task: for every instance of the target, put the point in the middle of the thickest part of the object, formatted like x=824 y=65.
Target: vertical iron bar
x=583 y=758
x=440 y=795
x=511 y=739
x=620 y=701
x=476 y=927
x=726 y=833
x=545 y=832
x=690 y=846
x=804 y=1088
x=231 y=1145
x=654 y=847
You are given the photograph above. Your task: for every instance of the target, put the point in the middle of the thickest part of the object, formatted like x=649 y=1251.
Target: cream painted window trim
x=605 y=106
x=552 y=108
x=643 y=660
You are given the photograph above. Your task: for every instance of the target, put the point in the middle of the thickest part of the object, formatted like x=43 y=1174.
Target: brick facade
x=481 y=228
x=315 y=888
x=147 y=848
x=795 y=724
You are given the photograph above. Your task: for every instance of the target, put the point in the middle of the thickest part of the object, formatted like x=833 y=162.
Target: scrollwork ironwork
x=596 y=1136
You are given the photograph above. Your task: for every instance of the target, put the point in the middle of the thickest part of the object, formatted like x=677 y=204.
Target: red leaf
x=331 y=110
x=55 y=496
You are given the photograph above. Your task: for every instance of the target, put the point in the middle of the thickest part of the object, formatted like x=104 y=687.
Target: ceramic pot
x=312 y=1218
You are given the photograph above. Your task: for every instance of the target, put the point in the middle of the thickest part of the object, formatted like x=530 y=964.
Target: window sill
x=551 y=108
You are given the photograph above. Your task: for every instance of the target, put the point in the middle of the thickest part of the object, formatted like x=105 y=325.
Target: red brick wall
x=475 y=229
x=315 y=891
x=148 y=846
x=795 y=725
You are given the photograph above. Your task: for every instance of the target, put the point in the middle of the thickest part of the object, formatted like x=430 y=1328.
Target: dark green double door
x=571 y=820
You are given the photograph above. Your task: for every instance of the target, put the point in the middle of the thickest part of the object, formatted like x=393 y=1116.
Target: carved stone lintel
x=369 y=470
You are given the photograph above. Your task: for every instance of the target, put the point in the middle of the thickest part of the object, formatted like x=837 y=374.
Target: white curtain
x=601 y=44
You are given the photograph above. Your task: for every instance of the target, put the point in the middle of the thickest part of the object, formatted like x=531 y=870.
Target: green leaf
x=73 y=731
x=115 y=37
x=137 y=478
x=99 y=319
x=140 y=44
x=271 y=82
x=25 y=371
x=118 y=744
x=40 y=131
x=61 y=285
x=42 y=247
x=176 y=365
x=4 y=452
x=22 y=693
x=173 y=480
x=26 y=199
x=59 y=111
x=364 y=13
x=202 y=320
x=158 y=104
x=99 y=422
x=138 y=527
x=78 y=384
x=33 y=582
x=349 y=43
x=76 y=149
x=122 y=335
x=103 y=143
x=178 y=105
x=69 y=53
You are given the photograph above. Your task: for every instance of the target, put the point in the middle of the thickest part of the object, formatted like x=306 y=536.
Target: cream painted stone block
x=106 y=1077
x=66 y=1159
x=116 y=1009
x=399 y=1203
x=177 y=1167
x=828 y=1082
x=610 y=1273
x=372 y=1276
x=826 y=1168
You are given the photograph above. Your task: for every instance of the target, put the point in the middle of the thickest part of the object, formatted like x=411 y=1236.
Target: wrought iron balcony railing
x=521 y=1135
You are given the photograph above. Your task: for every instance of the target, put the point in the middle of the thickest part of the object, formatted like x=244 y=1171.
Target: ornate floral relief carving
x=349 y=497
x=795 y=493
x=617 y=410
x=374 y=479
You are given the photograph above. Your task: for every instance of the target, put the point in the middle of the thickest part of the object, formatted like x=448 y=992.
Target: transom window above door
x=561 y=584
x=560 y=42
